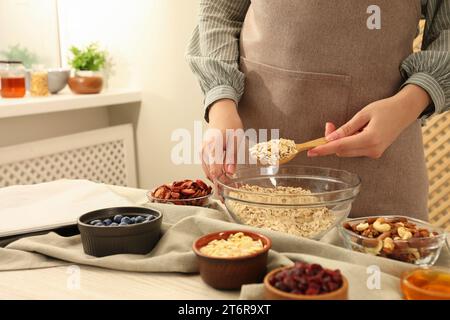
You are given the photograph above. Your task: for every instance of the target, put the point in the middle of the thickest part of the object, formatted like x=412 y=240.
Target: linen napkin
x=173 y=253
x=46 y=206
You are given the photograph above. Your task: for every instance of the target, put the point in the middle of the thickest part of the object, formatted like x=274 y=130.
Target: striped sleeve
x=213 y=51
x=430 y=68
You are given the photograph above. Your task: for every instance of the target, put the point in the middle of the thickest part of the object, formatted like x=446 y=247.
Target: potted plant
x=88 y=64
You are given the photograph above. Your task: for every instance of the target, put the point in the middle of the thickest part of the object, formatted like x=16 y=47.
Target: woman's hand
x=376 y=127
x=219 y=149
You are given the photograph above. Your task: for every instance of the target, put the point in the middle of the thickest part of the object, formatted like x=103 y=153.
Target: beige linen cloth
x=173 y=253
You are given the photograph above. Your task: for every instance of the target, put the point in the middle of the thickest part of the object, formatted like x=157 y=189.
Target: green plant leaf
x=90 y=58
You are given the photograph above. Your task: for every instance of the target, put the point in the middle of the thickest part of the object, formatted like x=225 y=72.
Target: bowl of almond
x=183 y=193
x=395 y=237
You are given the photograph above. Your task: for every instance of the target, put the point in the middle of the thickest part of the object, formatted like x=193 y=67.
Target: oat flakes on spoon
x=282 y=151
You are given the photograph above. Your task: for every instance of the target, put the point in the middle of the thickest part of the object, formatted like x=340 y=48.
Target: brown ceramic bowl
x=232 y=273
x=132 y=239
x=86 y=85
x=272 y=293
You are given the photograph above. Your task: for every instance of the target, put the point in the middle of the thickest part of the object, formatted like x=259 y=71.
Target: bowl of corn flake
x=297 y=200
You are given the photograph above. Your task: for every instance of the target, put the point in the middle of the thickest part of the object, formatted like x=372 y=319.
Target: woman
x=300 y=65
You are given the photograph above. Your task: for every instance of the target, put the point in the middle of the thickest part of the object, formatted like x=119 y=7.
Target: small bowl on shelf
x=274 y=293
x=57 y=79
x=426 y=284
x=139 y=238
x=422 y=251
x=230 y=273
x=86 y=82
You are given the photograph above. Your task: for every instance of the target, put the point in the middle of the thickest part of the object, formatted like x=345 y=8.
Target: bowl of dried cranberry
x=305 y=282
x=183 y=193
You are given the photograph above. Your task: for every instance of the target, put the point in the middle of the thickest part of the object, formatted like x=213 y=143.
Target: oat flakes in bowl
x=300 y=201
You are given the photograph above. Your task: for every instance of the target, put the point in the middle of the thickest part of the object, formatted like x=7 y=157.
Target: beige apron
x=312 y=61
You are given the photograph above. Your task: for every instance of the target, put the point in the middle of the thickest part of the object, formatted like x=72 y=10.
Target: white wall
x=32 y=24
x=147 y=39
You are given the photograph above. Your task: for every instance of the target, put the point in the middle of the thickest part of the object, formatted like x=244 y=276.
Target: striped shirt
x=213 y=53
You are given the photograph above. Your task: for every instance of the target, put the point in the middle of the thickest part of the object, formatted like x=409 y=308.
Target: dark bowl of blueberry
x=125 y=230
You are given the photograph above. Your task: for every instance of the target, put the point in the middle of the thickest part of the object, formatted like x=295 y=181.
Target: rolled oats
x=302 y=222
x=273 y=151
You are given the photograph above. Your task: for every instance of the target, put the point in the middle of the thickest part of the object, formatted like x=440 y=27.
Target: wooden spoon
x=304 y=147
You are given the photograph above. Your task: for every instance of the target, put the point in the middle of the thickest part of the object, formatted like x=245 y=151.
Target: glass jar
x=39 y=83
x=12 y=74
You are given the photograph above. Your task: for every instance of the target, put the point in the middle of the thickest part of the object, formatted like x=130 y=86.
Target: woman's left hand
x=376 y=127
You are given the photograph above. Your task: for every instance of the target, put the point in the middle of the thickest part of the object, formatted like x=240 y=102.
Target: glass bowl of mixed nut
x=297 y=200
x=183 y=193
x=395 y=237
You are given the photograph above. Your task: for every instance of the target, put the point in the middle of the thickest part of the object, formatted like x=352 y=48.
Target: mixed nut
x=186 y=192
x=307 y=279
x=397 y=238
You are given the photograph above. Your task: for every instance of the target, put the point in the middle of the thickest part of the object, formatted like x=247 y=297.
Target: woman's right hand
x=221 y=139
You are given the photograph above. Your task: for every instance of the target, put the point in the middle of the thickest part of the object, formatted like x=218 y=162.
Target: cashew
x=397 y=238
x=381 y=226
x=415 y=253
x=404 y=233
x=376 y=250
x=362 y=226
x=388 y=245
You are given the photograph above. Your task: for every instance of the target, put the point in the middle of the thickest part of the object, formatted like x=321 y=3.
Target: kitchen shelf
x=65 y=101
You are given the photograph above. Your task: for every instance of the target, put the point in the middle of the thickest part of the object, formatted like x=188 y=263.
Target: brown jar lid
x=11 y=62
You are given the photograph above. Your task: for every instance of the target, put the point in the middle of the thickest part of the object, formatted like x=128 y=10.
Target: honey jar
x=12 y=75
x=426 y=284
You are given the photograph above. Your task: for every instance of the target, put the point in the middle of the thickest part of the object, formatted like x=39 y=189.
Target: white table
x=96 y=283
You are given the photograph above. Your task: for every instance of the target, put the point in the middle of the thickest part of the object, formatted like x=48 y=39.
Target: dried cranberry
x=316 y=268
x=281 y=286
x=307 y=279
x=313 y=289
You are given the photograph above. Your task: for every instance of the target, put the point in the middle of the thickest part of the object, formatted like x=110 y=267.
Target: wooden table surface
x=94 y=283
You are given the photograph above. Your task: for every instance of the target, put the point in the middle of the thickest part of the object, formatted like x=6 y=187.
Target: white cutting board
x=34 y=208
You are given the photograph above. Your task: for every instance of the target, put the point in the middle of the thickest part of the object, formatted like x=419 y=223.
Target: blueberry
x=125 y=220
x=139 y=219
x=118 y=218
x=100 y=224
x=107 y=222
x=114 y=224
x=133 y=220
x=93 y=223
x=123 y=224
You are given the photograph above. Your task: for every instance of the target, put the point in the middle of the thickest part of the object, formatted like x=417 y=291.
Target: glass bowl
x=426 y=284
x=312 y=215
x=418 y=251
x=194 y=202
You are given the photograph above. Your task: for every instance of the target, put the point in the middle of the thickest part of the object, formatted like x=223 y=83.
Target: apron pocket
x=295 y=102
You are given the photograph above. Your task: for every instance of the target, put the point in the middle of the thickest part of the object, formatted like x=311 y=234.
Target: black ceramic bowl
x=133 y=239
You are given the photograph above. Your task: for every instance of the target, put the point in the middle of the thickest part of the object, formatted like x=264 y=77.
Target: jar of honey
x=12 y=75
x=426 y=284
